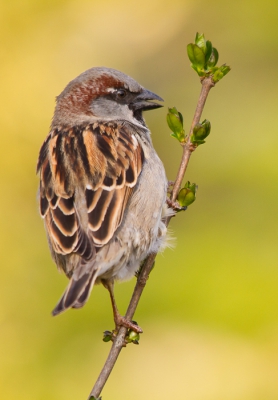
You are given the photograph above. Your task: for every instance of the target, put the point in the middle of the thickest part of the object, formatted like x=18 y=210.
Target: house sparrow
x=102 y=185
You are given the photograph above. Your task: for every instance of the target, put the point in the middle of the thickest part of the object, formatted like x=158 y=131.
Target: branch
x=119 y=341
x=188 y=148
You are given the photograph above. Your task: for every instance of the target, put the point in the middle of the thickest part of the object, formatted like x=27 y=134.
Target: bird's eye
x=121 y=93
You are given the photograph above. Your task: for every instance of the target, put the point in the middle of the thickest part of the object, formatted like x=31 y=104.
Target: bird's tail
x=77 y=292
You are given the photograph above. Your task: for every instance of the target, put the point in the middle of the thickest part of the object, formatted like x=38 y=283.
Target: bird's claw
x=132 y=334
x=131 y=325
x=175 y=205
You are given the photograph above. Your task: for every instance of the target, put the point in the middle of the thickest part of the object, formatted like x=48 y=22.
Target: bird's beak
x=142 y=102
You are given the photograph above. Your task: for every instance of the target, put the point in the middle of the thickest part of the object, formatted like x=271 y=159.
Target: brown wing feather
x=103 y=162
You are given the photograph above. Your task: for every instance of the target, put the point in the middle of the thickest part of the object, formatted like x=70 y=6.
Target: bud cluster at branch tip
x=204 y=58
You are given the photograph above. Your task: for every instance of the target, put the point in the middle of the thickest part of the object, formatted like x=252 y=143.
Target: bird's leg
x=118 y=318
x=170 y=203
x=170 y=185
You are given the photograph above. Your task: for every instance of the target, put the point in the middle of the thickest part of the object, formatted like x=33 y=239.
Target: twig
x=119 y=340
x=188 y=148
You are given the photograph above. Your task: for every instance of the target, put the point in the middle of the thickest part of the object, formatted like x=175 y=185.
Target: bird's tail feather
x=77 y=293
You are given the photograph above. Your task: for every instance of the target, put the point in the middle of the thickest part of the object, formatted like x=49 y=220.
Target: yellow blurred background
x=210 y=309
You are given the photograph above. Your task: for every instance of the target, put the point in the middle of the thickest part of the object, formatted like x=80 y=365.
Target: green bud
x=204 y=58
x=187 y=195
x=133 y=337
x=175 y=120
x=200 y=132
x=221 y=72
x=217 y=75
x=175 y=123
x=207 y=124
x=225 y=69
x=107 y=336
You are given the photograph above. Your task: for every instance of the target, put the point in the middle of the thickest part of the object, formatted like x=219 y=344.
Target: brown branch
x=119 y=340
x=188 y=148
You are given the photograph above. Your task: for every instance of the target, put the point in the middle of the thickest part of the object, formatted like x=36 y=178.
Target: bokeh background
x=210 y=309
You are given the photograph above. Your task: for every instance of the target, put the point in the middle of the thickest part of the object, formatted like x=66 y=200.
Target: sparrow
x=103 y=188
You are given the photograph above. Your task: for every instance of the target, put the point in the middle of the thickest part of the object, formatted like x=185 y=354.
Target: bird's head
x=103 y=94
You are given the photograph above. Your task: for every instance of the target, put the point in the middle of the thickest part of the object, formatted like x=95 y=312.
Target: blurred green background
x=210 y=309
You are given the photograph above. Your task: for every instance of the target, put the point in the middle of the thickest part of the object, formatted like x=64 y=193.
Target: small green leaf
x=220 y=72
x=225 y=69
x=200 y=41
x=195 y=68
x=213 y=59
x=206 y=124
x=217 y=75
x=208 y=50
x=181 y=118
x=190 y=52
x=199 y=57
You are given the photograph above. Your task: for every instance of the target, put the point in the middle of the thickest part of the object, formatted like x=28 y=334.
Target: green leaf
x=221 y=72
x=195 y=68
x=181 y=117
x=208 y=50
x=200 y=41
x=225 y=69
x=199 y=57
x=213 y=59
x=207 y=126
x=190 y=52
x=217 y=75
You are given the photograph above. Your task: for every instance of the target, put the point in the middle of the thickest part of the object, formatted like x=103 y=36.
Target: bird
x=103 y=188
